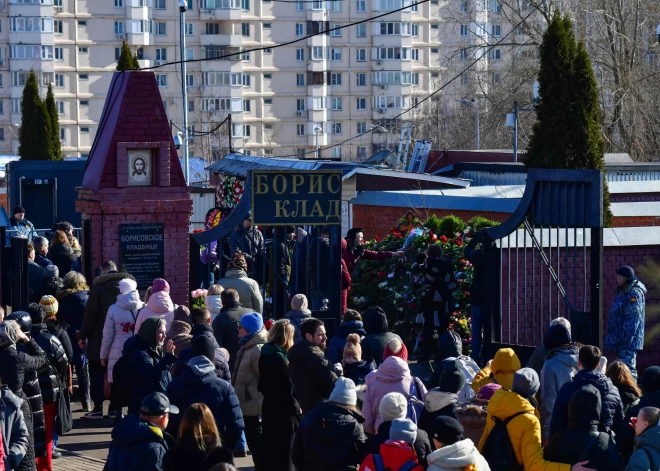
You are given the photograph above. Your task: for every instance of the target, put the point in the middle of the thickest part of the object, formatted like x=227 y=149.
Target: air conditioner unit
x=300 y=112
x=58 y=9
x=379 y=62
x=383 y=87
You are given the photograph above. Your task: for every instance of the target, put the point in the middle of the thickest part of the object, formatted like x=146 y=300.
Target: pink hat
x=486 y=392
x=160 y=285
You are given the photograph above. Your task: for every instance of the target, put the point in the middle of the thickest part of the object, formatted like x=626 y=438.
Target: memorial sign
x=143 y=251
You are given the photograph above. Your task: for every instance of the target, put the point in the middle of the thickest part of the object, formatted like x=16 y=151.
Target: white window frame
x=161 y=79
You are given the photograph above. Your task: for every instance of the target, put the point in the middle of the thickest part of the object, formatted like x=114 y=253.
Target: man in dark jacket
x=199 y=383
x=378 y=335
x=581 y=440
x=280 y=272
x=312 y=375
x=35 y=274
x=612 y=414
x=103 y=294
x=140 y=443
x=41 y=251
x=250 y=242
x=149 y=363
x=225 y=325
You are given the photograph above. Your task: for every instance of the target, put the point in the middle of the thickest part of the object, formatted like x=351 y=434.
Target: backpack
x=380 y=466
x=415 y=404
x=121 y=374
x=498 y=450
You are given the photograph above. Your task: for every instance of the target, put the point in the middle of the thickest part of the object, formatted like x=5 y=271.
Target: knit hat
x=252 y=322
x=344 y=392
x=403 y=430
x=51 y=271
x=299 y=302
x=392 y=406
x=182 y=313
x=395 y=347
x=352 y=348
x=651 y=379
x=504 y=365
x=18 y=209
x=556 y=336
x=447 y=430
x=50 y=305
x=127 y=285
x=160 y=285
x=526 y=382
x=452 y=378
x=203 y=346
x=487 y=391
x=8 y=333
x=626 y=272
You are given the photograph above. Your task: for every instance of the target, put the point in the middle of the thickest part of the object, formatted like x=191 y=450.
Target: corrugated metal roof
x=238 y=165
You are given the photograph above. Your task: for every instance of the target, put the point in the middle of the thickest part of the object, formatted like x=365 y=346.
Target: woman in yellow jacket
x=500 y=370
x=524 y=430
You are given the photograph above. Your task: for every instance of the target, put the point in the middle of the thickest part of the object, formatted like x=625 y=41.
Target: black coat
x=50 y=286
x=27 y=463
x=581 y=440
x=50 y=377
x=221 y=363
x=330 y=438
x=628 y=395
x=35 y=275
x=421 y=445
x=191 y=457
x=225 y=329
x=63 y=256
x=358 y=371
x=378 y=335
x=14 y=364
x=137 y=446
x=310 y=374
x=71 y=311
x=59 y=329
x=32 y=392
x=625 y=437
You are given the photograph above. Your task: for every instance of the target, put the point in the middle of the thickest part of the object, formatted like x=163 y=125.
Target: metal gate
x=546 y=261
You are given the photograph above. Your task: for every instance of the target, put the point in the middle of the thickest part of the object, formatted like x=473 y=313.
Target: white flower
x=458 y=234
x=382 y=285
x=467 y=230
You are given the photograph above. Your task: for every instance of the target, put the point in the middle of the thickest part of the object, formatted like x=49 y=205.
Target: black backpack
x=498 y=450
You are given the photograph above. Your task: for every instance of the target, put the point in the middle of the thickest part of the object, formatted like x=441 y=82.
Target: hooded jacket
x=456 y=457
x=393 y=375
x=159 y=305
x=220 y=362
x=358 y=371
x=246 y=375
x=581 y=440
x=394 y=454
x=137 y=446
x=437 y=403
x=378 y=335
x=501 y=371
x=648 y=441
x=62 y=256
x=310 y=374
x=524 y=430
x=248 y=289
x=213 y=304
x=625 y=327
x=119 y=326
x=625 y=437
x=15 y=435
x=329 y=438
x=225 y=329
x=611 y=415
x=450 y=349
x=198 y=383
x=421 y=445
x=335 y=351
x=102 y=295
x=559 y=368
x=296 y=317
x=50 y=377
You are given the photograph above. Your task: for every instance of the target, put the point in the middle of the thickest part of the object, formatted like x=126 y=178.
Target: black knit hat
x=350 y=235
x=203 y=346
x=447 y=430
x=18 y=209
x=651 y=379
x=452 y=378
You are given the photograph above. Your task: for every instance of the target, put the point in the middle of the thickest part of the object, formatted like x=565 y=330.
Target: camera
x=178 y=141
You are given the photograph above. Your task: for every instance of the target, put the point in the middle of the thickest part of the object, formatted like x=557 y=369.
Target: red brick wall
x=3 y=201
x=636 y=221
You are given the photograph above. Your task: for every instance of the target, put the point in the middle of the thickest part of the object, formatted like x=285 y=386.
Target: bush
x=477 y=223
x=433 y=223
x=450 y=225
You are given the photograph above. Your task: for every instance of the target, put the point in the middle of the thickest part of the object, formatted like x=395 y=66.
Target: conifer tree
x=35 y=133
x=126 y=61
x=54 y=124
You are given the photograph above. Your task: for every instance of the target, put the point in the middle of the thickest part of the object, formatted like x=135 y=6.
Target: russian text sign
x=143 y=251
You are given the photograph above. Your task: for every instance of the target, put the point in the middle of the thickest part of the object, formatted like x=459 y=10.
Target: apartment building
x=324 y=90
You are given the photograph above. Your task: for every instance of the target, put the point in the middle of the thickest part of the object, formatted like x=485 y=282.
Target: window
x=84 y=102
x=464 y=6
x=212 y=28
x=434 y=50
x=160 y=4
x=57 y=26
x=245 y=5
x=361 y=55
x=396 y=53
x=190 y=54
x=29 y=51
x=25 y=24
x=59 y=105
x=161 y=54
x=119 y=3
x=84 y=130
x=396 y=28
x=299 y=5
x=246 y=80
x=300 y=80
x=300 y=129
x=361 y=128
x=59 y=54
x=495 y=54
x=318 y=103
x=496 y=78
x=246 y=57
x=300 y=104
x=119 y=28
x=267 y=25
x=141 y=26
x=268 y=76
x=465 y=54
x=189 y=29
x=59 y=80
x=464 y=31
x=335 y=79
x=160 y=29
x=2 y=107
x=268 y=101
x=300 y=54
x=336 y=6
x=219 y=104
x=362 y=152
x=300 y=29
x=162 y=80
x=235 y=79
x=361 y=31
x=83 y=50
x=268 y=127
x=415 y=30
x=191 y=106
x=16 y=105
x=434 y=26
x=336 y=54
x=62 y=134
x=82 y=23
x=245 y=29
x=190 y=80
x=336 y=104
x=336 y=152
x=497 y=30
x=318 y=5
x=361 y=6
x=335 y=31
x=247 y=130
x=361 y=79
x=83 y=76
x=246 y=106
x=382 y=101
x=336 y=128
x=268 y=51
x=495 y=6
x=361 y=104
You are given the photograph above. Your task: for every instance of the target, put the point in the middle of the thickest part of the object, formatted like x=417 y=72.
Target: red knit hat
x=395 y=347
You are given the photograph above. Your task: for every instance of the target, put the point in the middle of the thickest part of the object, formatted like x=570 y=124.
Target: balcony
x=233 y=40
x=226 y=53
x=220 y=10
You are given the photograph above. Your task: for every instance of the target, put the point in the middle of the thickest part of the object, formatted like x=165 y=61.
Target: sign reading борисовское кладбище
x=297 y=197
x=143 y=251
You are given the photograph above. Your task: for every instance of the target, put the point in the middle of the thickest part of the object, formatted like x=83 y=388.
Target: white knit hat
x=392 y=406
x=127 y=285
x=344 y=392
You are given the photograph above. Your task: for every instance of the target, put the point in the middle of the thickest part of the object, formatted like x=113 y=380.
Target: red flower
x=381 y=275
x=377 y=239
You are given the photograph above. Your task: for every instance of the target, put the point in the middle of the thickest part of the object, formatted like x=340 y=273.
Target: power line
x=288 y=43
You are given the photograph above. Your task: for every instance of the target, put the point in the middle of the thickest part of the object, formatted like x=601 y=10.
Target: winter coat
x=581 y=440
x=537 y=359
x=311 y=374
x=329 y=438
x=42 y=261
x=560 y=366
x=504 y=365
x=225 y=329
x=214 y=305
x=14 y=430
x=437 y=403
x=119 y=326
x=296 y=317
x=625 y=327
x=72 y=308
x=378 y=335
x=335 y=351
x=15 y=363
x=28 y=463
x=648 y=441
x=35 y=275
x=31 y=354
x=421 y=445
x=393 y=375
x=248 y=289
x=51 y=377
x=23 y=228
x=220 y=362
x=629 y=396
x=358 y=371
x=352 y=257
x=395 y=454
x=137 y=446
x=189 y=456
x=625 y=435
x=149 y=370
x=246 y=375
x=180 y=336
x=524 y=430
x=275 y=384
x=59 y=329
x=49 y=287
x=612 y=413
x=250 y=242
x=198 y=383
x=102 y=295
x=457 y=457
x=439 y=283
x=62 y=256
x=159 y=305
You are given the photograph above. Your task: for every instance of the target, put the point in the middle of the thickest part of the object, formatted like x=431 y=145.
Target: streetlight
x=473 y=104
x=183 y=6
x=512 y=118
x=318 y=130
